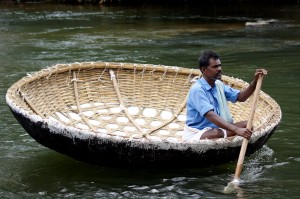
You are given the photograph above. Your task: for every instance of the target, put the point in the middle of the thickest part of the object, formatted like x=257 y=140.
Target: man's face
x=213 y=70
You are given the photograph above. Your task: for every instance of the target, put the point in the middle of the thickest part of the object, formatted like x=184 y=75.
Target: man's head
x=210 y=65
x=205 y=57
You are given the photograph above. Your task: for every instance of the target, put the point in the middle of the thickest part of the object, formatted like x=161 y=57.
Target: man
x=208 y=115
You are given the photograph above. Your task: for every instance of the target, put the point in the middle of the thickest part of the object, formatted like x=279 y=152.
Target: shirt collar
x=205 y=83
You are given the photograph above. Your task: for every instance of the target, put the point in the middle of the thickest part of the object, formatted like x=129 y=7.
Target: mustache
x=217 y=76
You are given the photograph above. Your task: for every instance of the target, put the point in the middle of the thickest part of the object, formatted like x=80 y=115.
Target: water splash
x=262 y=161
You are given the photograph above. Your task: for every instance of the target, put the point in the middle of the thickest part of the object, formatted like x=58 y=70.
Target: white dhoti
x=193 y=134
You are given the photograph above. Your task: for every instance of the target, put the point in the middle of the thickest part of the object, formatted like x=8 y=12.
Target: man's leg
x=218 y=133
x=242 y=124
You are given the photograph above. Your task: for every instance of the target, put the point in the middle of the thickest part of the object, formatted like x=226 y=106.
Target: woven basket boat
x=118 y=114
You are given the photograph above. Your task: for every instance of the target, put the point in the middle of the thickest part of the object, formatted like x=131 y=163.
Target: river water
x=34 y=36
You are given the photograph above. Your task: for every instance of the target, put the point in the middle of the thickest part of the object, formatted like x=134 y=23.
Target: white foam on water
x=259 y=163
x=297 y=159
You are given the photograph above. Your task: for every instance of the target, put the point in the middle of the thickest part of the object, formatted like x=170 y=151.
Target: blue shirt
x=203 y=98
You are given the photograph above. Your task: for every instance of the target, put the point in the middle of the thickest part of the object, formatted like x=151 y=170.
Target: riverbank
x=169 y=2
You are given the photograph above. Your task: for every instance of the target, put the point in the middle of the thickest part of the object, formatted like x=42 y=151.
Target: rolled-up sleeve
x=231 y=93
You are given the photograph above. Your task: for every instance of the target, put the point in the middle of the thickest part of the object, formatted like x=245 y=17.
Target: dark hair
x=204 y=58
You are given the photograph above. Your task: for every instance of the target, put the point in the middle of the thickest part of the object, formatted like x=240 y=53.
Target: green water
x=35 y=36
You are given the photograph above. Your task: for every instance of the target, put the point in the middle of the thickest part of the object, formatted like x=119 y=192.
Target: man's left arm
x=247 y=92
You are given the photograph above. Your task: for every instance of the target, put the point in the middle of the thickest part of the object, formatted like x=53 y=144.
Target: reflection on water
x=35 y=36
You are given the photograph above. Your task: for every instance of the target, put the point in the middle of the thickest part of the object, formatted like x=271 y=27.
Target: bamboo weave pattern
x=125 y=100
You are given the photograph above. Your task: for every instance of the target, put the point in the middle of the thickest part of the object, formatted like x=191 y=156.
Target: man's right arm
x=231 y=129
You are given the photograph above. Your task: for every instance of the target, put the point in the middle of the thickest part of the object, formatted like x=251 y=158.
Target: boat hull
x=105 y=152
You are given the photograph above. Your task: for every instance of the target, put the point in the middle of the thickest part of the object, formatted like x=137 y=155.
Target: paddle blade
x=231 y=186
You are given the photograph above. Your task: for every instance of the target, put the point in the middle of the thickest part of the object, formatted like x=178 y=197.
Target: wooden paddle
x=245 y=141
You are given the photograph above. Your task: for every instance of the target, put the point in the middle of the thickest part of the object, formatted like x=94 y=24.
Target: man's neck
x=210 y=81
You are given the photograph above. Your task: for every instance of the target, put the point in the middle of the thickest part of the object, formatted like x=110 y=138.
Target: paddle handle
x=249 y=126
